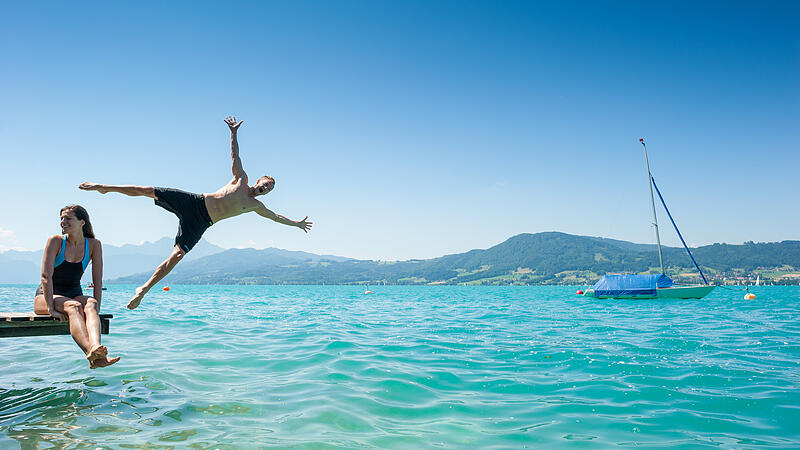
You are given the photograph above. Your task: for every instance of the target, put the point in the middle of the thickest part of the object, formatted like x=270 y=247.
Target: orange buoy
x=579 y=292
x=166 y=288
x=368 y=292
x=749 y=296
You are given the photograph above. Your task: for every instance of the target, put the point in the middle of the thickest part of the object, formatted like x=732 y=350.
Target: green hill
x=542 y=258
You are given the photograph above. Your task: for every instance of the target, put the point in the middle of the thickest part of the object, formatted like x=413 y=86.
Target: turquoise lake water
x=411 y=367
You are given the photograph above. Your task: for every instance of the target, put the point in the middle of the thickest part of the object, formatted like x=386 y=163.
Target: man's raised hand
x=304 y=224
x=232 y=123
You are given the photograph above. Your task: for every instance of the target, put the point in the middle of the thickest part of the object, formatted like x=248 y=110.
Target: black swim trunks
x=191 y=211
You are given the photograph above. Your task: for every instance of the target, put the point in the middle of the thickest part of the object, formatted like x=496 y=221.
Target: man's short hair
x=270 y=181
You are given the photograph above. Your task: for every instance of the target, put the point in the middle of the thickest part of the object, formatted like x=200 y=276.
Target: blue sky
x=406 y=129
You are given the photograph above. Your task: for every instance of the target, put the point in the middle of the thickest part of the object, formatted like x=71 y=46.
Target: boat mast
x=653 y=204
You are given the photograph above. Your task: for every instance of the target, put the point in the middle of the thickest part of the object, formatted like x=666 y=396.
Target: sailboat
x=650 y=286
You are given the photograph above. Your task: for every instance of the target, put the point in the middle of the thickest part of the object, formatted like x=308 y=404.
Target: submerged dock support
x=30 y=324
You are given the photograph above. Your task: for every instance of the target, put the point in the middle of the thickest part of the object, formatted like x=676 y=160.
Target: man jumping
x=197 y=212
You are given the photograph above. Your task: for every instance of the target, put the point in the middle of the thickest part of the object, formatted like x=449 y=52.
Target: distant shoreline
x=540 y=259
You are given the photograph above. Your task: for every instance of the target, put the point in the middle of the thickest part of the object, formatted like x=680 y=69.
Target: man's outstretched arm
x=304 y=224
x=238 y=170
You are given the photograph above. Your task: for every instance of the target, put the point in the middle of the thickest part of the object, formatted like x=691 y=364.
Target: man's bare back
x=233 y=199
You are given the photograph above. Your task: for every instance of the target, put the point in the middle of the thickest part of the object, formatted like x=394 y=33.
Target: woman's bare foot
x=98 y=352
x=103 y=362
x=137 y=298
x=86 y=186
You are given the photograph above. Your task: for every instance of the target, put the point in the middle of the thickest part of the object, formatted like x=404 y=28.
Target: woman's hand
x=61 y=317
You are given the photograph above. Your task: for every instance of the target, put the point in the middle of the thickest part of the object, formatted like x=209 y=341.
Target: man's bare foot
x=86 y=186
x=137 y=298
x=103 y=362
x=98 y=352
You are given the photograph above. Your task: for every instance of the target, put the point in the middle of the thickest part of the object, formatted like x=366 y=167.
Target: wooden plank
x=23 y=316
x=29 y=324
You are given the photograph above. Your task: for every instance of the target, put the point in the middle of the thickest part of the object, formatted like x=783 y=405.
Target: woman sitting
x=60 y=294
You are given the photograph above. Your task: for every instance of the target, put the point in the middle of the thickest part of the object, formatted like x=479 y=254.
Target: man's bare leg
x=161 y=271
x=133 y=191
x=164 y=268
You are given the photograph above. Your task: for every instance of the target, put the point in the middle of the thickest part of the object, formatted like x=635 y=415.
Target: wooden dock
x=30 y=324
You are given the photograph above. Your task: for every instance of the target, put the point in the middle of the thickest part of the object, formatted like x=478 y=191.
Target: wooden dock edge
x=30 y=324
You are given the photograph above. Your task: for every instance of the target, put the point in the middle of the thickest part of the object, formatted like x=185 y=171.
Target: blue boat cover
x=629 y=285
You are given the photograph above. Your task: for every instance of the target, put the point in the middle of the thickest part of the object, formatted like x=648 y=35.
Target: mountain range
x=541 y=258
x=25 y=266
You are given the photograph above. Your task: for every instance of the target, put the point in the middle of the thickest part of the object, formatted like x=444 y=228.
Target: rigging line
x=677 y=230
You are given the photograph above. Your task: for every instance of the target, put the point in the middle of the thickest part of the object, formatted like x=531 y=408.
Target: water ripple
x=412 y=367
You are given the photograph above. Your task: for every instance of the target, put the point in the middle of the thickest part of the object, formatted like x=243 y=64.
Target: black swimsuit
x=67 y=275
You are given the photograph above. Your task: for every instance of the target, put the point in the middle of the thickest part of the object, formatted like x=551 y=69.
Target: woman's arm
x=48 y=260
x=97 y=269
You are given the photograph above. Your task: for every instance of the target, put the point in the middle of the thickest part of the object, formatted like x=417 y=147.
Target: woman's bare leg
x=90 y=311
x=98 y=356
x=133 y=191
x=77 y=324
x=40 y=305
x=84 y=325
